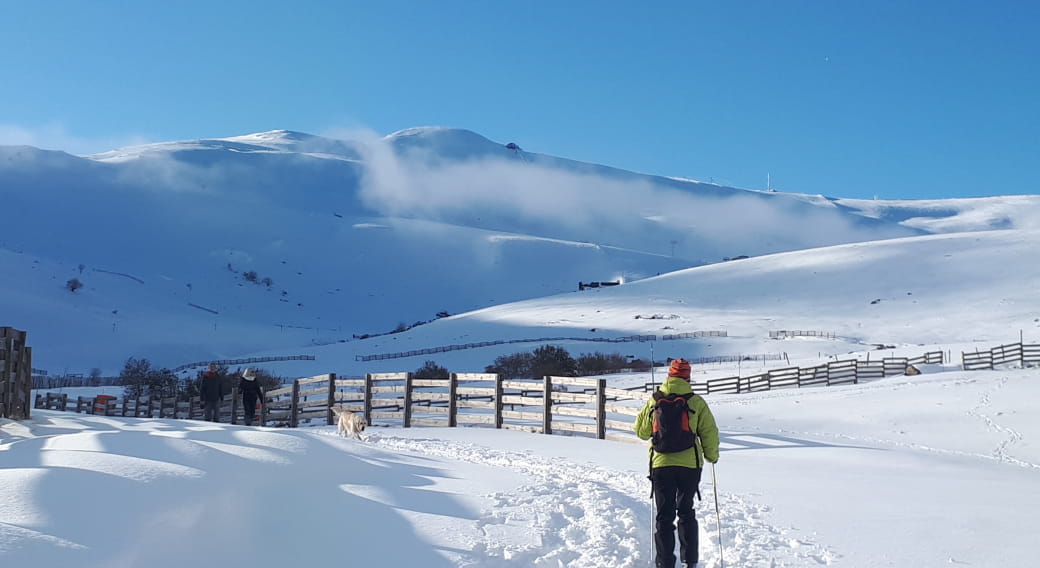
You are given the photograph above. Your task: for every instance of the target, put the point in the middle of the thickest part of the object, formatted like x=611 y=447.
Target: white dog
x=350 y=424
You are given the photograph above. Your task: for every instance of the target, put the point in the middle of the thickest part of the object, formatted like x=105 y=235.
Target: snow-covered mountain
x=280 y=241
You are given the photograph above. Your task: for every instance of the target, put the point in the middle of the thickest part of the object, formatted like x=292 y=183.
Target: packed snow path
x=578 y=514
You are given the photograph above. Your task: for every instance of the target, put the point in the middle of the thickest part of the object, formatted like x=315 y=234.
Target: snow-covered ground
x=937 y=470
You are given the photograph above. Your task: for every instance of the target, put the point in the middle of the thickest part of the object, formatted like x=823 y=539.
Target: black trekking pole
x=651 y=527
x=718 y=515
x=650 y=476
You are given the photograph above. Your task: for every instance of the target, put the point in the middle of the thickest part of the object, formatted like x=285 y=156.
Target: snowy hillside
x=899 y=294
x=279 y=241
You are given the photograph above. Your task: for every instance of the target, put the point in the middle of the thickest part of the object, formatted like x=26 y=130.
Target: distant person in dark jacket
x=251 y=392
x=211 y=391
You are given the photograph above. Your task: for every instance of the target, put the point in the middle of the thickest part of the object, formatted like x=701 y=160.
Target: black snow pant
x=249 y=407
x=211 y=410
x=674 y=490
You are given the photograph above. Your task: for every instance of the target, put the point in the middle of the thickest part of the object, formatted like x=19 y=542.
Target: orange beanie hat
x=679 y=368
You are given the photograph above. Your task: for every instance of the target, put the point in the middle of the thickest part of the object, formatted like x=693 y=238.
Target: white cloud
x=55 y=136
x=417 y=185
x=423 y=185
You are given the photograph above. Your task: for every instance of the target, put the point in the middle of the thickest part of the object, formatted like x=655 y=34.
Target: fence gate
x=15 y=374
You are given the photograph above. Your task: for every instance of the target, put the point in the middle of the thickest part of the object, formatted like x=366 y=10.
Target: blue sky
x=894 y=99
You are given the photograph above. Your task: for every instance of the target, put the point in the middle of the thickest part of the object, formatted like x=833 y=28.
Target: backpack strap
x=697 y=436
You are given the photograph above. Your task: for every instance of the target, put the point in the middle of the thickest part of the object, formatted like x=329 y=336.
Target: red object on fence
x=101 y=403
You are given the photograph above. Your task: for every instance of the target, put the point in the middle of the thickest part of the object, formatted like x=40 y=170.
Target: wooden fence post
x=368 y=398
x=601 y=409
x=332 y=396
x=453 y=404
x=294 y=405
x=547 y=405
x=408 y=400
x=499 y=407
x=16 y=401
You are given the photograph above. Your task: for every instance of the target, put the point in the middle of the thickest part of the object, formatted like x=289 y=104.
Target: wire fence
x=476 y=345
x=246 y=361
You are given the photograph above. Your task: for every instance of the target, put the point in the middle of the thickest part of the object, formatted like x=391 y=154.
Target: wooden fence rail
x=1020 y=353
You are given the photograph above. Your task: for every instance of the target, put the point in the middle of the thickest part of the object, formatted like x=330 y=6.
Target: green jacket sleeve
x=707 y=430
x=643 y=426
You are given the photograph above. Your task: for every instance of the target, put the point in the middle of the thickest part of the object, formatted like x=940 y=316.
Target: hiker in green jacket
x=682 y=441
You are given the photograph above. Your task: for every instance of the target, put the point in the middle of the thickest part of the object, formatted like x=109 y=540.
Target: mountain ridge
x=351 y=247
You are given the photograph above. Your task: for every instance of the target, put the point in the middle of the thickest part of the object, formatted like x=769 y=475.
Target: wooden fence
x=785 y=333
x=548 y=405
x=146 y=407
x=1020 y=353
x=15 y=374
x=41 y=382
x=246 y=361
x=551 y=405
x=463 y=346
x=827 y=374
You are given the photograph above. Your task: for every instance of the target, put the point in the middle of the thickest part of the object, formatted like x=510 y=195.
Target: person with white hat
x=251 y=392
